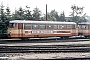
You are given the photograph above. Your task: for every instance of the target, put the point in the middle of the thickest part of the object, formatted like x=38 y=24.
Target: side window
x=68 y=26
x=42 y=26
x=61 y=27
x=49 y=26
x=55 y=26
x=84 y=26
x=27 y=26
x=79 y=26
x=34 y=26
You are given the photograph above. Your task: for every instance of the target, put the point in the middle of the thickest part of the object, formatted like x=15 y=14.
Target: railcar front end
x=84 y=29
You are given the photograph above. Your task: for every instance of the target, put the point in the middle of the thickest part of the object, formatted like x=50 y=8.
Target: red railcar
x=84 y=29
x=36 y=29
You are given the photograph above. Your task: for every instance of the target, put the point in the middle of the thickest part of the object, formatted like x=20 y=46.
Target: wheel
x=86 y=36
x=62 y=37
x=65 y=37
x=24 y=38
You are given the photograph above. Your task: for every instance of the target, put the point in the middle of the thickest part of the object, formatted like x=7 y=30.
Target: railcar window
x=79 y=26
x=62 y=27
x=49 y=27
x=27 y=26
x=68 y=26
x=55 y=26
x=82 y=26
x=12 y=25
x=34 y=26
x=42 y=26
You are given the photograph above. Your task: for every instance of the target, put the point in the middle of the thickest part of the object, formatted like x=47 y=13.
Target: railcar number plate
x=42 y=31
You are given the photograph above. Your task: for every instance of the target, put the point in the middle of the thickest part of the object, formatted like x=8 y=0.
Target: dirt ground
x=25 y=56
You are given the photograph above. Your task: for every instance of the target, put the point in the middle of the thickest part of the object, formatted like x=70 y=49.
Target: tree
x=28 y=15
x=36 y=14
x=49 y=17
x=4 y=16
x=8 y=14
x=19 y=14
x=54 y=15
x=2 y=13
x=62 y=17
x=77 y=14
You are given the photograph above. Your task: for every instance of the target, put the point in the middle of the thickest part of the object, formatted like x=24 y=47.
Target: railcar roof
x=84 y=23
x=43 y=22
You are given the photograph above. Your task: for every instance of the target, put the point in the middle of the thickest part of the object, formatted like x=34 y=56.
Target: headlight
x=10 y=31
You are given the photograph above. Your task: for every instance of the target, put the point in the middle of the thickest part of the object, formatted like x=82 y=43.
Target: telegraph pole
x=46 y=12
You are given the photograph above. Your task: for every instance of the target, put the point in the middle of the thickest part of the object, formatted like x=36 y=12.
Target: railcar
x=36 y=29
x=84 y=29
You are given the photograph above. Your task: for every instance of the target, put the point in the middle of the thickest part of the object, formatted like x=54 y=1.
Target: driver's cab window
x=83 y=26
x=12 y=25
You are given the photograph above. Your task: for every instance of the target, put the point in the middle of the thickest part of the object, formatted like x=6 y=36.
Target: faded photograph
x=44 y=29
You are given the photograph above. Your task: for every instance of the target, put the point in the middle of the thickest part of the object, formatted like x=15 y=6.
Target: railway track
x=6 y=41
x=44 y=49
x=48 y=46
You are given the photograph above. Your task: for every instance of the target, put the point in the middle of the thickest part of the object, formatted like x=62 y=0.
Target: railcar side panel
x=29 y=29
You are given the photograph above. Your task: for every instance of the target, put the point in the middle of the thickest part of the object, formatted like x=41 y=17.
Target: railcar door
x=20 y=30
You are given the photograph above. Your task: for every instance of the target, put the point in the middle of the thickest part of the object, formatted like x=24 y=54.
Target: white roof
x=43 y=22
x=84 y=23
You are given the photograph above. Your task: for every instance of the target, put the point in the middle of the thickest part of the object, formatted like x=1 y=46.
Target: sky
x=58 y=5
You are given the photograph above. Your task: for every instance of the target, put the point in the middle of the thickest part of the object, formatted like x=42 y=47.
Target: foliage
x=77 y=14
x=18 y=15
x=26 y=14
x=49 y=17
x=36 y=14
x=8 y=13
x=5 y=17
x=2 y=13
x=54 y=15
x=62 y=17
